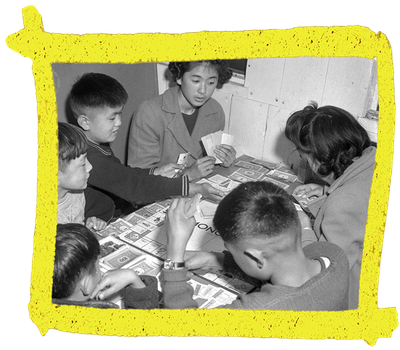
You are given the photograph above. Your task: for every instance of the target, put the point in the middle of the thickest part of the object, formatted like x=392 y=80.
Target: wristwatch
x=172 y=265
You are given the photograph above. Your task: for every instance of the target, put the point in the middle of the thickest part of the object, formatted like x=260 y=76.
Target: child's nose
x=202 y=88
x=88 y=166
x=118 y=120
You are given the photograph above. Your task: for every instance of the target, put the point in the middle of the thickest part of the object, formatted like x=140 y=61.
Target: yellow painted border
x=368 y=322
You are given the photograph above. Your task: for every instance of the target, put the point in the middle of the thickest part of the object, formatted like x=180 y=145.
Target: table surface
x=138 y=241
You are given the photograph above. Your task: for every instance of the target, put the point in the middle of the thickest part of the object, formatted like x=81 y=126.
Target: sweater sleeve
x=131 y=184
x=178 y=294
x=142 y=298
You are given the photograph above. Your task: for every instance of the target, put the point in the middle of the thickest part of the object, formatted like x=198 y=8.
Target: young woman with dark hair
x=174 y=122
x=339 y=151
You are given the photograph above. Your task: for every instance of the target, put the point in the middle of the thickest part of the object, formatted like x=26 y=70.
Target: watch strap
x=173 y=265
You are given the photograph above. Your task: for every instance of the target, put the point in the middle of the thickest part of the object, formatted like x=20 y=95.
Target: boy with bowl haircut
x=97 y=101
x=77 y=279
x=73 y=173
x=262 y=233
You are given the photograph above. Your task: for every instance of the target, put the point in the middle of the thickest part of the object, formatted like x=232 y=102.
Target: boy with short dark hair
x=262 y=233
x=77 y=279
x=97 y=101
x=73 y=173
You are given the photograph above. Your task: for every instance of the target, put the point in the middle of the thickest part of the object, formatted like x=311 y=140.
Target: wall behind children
x=139 y=80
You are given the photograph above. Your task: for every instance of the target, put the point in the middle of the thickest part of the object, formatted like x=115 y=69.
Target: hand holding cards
x=210 y=142
x=192 y=206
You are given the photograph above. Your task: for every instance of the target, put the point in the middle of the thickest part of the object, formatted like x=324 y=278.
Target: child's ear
x=85 y=285
x=256 y=256
x=83 y=122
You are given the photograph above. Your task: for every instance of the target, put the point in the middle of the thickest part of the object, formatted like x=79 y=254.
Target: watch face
x=168 y=264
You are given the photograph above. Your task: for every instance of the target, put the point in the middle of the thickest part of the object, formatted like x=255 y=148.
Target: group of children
x=261 y=229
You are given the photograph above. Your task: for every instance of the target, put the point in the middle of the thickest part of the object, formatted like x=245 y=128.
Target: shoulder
x=212 y=106
x=326 y=249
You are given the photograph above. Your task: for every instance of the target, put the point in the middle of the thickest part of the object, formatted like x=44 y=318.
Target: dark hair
x=254 y=210
x=76 y=253
x=178 y=69
x=328 y=134
x=96 y=90
x=72 y=144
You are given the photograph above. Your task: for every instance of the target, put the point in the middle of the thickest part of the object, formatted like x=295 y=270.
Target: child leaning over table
x=97 y=101
x=77 y=279
x=73 y=173
x=261 y=231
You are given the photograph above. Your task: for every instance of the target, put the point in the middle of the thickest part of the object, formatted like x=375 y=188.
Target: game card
x=284 y=175
x=252 y=174
x=183 y=159
x=236 y=176
x=121 y=255
x=263 y=163
x=192 y=206
x=278 y=183
x=249 y=166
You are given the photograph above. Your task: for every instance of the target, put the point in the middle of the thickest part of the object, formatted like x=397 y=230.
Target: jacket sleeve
x=144 y=146
x=142 y=298
x=132 y=184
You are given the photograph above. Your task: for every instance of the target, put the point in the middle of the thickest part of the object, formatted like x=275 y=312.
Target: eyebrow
x=199 y=76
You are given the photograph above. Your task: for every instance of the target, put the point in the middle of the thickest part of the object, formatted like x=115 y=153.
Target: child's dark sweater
x=327 y=291
x=110 y=179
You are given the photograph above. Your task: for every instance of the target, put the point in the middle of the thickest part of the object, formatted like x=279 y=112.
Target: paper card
x=216 y=139
x=192 y=206
x=278 y=183
x=183 y=159
x=282 y=175
x=122 y=255
x=249 y=166
x=236 y=176
x=227 y=139
x=254 y=175
x=265 y=164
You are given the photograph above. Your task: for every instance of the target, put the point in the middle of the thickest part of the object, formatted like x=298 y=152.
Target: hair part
x=256 y=210
x=76 y=253
x=329 y=135
x=72 y=143
x=96 y=90
x=178 y=69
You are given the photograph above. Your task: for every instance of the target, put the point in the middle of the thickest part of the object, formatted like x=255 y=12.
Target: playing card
x=252 y=174
x=183 y=159
x=249 y=166
x=192 y=206
x=239 y=177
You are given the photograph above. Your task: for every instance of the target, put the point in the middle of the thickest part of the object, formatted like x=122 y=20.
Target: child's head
x=328 y=137
x=257 y=220
x=76 y=264
x=97 y=101
x=73 y=166
x=224 y=73
x=198 y=79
